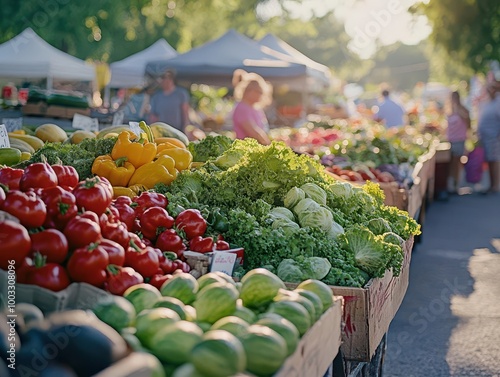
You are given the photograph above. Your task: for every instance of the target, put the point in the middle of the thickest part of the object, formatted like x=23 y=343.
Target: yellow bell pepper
x=138 y=153
x=117 y=172
x=160 y=170
x=131 y=191
x=170 y=140
x=181 y=156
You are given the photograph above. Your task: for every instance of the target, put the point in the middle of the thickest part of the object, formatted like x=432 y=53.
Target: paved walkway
x=449 y=322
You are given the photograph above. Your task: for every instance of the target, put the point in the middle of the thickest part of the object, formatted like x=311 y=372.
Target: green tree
x=468 y=30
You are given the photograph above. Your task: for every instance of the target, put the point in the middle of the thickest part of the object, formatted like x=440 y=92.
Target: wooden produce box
x=423 y=183
x=75 y=296
x=65 y=112
x=37 y=109
x=368 y=311
x=394 y=195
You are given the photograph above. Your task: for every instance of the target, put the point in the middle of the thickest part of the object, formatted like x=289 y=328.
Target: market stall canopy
x=28 y=56
x=214 y=62
x=319 y=72
x=129 y=72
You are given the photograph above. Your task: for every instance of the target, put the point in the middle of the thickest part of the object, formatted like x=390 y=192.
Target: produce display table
x=443 y=158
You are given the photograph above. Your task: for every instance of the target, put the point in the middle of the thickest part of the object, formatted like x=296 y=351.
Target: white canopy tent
x=28 y=56
x=214 y=62
x=129 y=72
x=319 y=75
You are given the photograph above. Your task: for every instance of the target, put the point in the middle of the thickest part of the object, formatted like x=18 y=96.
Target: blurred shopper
x=489 y=135
x=170 y=104
x=138 y=106
x=389 y=112
x=253 y=93
x=458 y=125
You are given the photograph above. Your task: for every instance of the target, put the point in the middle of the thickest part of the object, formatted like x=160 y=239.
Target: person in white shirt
x=389 y=112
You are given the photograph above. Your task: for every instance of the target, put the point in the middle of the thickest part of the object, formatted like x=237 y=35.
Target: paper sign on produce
x=4 y=137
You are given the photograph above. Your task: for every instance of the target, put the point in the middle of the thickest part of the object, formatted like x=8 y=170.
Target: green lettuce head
x=293 y=197
x=314 y=192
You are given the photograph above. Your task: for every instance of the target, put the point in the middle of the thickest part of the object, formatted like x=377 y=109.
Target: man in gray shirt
x=170 y=104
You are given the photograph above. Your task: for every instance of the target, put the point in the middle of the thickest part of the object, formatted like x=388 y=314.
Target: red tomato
x=30 y=210
x=144 y=261
x=119 y=279
x=47 y=275
x=50 y=243
x=116 y=252
x=154 y=220
x=38 y=175
x=201 y=245
x=191 y=222
x=88 y=264
x=81 y=231
x=93 y=194
x=66 y=175
x=169 y=240
x=11 y=177
x=16 y=244
x=60 y=209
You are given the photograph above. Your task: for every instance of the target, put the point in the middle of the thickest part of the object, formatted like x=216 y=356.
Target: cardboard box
x=76 y=296
x=369 y=311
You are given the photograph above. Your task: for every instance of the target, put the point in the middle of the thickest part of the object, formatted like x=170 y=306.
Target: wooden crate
x=37 y=109
x=65 y=112
x=394 y=195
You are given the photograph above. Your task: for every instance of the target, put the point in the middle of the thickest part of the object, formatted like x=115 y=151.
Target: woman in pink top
x=458 y=125
x=253 y=93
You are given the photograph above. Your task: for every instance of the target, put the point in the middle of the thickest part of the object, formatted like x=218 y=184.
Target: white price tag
x=86 y=123
x=4 y=137
x=12 y=124
x=134 y=127
x=223 y=262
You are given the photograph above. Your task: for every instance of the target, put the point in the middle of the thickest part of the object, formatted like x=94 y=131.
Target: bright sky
x=368 y=21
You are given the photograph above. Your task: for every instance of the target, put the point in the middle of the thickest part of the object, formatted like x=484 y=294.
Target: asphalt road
x=449 y=321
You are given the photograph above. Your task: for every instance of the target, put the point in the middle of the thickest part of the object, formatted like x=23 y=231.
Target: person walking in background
x=458 y=125
x=138 y=106
x=389 y=112
x=170 y=104
x=253 y=93
x=489 y=135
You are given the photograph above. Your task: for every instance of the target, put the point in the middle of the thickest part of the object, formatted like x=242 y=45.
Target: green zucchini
x=10 y=156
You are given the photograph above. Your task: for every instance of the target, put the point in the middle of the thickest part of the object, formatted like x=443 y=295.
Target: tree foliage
x=468 y=30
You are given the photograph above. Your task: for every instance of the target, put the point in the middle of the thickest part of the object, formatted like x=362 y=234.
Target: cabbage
x=342 y=189
x=304 y=207
x=281 y=212
x=335 y=230
x=289 y=271
x=316 y=268
x=289 y=227
x=314 y=192
x=322 y=219
x=294 y=196
x=393 y=238
x=378 y=226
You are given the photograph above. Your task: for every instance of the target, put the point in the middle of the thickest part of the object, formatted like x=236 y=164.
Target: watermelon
x=116 y=311
x=133 y=342
x=205 y=326
x=186 y=370
x=232 y=324
x=190 y=313
x=283 y=327
x=244 y=313
x=285 y=295
x=265 y=350
x=142 y=296
x=173 y=344
x=294 y=312
x=210 y=278
x=182 y=286
x=219 y=354
x=314 y=298
x=225 y=277
x=172 y=303
x=321 y=289
x=215 y=301
x=259 y=287
x=150 y=321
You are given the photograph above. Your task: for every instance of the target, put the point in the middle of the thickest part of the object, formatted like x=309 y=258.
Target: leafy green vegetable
x=293 y=197
x=314 y=192
x=81 y=156
x=290 y=271
x=286 y=225
x=378 y=226
x=282 y=212
x=210 y=147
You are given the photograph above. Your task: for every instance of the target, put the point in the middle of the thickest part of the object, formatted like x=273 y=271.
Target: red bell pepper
x=15 y=244
x=201 y=245
x=143 y=260
x=158 y=280
x=38 y=175
x=61 y=207
x=52 y=276
x=27 y=207
x=149 y=199
x=169 y=240
x=11 y=177
x=222 y=245
x=66 y=175
x=154 y=220
x=88 y=264
x=116 y=253
x=119 y=279
x=93 y=194
x=116 y=232
x=81 y=231
x=191 y=222
x=51 y=244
